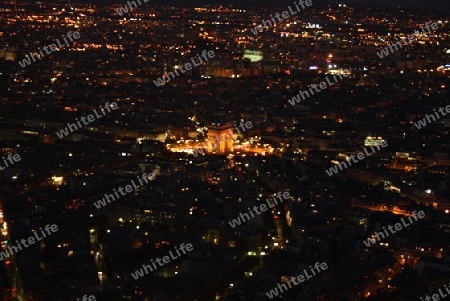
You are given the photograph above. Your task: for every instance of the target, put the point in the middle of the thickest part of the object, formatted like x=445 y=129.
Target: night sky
x=380 y=2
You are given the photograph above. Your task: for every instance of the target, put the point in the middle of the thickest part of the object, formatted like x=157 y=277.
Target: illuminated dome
x=253 y=55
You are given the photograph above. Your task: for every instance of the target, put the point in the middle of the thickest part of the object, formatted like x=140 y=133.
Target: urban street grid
x=180 y=152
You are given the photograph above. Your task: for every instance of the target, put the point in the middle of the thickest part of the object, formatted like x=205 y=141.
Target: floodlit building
x=220 y=139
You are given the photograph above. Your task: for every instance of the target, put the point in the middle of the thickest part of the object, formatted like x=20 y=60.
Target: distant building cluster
x=237 y=154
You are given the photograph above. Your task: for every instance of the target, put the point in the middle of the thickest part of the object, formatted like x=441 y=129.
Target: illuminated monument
x=220 y=139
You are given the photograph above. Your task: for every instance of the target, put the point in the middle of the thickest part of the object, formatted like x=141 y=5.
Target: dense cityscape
x=226 y=152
